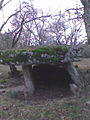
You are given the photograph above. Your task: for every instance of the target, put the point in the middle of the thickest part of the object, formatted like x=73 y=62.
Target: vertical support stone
x=28 y=79
x=74 y=74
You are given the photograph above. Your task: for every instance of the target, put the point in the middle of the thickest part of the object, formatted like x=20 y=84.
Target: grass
x=65 y=109
x=71 y=108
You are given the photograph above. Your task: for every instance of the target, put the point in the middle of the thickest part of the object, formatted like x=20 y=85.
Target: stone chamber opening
x=51 y=81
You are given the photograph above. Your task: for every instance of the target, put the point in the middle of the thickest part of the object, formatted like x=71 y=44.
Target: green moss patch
x=61 y=50
x=2 y=81
x=40 y=54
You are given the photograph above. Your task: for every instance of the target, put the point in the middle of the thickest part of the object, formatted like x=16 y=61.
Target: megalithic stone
x=29 y=84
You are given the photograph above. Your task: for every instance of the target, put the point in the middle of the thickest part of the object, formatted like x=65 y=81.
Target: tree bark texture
x=13 y=71
x=86 y=17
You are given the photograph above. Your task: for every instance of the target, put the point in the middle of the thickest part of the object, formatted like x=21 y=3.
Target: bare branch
x=7 y=20
x=17 y=34
x=1 y=4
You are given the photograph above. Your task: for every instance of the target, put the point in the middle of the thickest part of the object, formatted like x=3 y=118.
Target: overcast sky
x=45 y=5
x=55 y=5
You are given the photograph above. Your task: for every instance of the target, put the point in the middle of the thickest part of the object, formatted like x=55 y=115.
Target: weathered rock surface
x=57 y=55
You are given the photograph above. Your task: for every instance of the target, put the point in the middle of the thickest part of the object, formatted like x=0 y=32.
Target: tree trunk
x=13 y=71
x=86 y=4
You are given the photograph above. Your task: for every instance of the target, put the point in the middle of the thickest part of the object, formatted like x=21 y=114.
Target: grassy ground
x=70 y=108
x=65 y=109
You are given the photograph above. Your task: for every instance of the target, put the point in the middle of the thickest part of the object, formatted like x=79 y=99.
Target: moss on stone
x=41 y=54
x=51 y=50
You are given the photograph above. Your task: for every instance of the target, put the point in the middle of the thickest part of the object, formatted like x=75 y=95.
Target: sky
x=48 y=6
x=55 y=5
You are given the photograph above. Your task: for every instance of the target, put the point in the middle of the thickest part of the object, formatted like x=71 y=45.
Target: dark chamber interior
x=51 y=82
x=51 y=78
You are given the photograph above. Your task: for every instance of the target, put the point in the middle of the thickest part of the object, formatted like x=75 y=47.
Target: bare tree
x=2 y=5
x=31 y=28
x=75 y=26
x=31 y=23
x=6 y=38
x=67 y=27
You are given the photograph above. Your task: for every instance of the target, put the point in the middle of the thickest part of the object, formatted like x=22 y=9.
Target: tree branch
x=1 y=4
x=7 y=20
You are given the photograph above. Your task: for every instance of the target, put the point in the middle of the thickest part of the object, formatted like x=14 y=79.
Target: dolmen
x=40 y=57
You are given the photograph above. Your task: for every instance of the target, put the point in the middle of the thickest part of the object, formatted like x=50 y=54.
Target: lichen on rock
x=39 y=54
